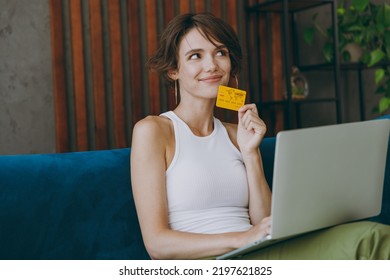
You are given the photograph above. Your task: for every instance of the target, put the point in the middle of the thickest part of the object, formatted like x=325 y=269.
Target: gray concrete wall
x=26 y=96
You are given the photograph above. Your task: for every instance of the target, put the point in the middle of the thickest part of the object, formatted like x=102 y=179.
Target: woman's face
x=202 y=66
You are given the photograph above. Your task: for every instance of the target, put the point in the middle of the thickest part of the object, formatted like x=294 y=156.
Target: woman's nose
x=210 y=64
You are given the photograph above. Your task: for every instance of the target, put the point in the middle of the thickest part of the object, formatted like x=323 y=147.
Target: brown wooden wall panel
x=231 y=18
x=59 y=84
x=98 y=74
x=152 y=43
x=200 y=6
x=117 y=74
x=251 y=56
x=184 y=6
x=216 y=8
x=78 y=75
x=169 y=14
x=231 y=13
x=110 y=88
x=134 y=60
x=169 y=11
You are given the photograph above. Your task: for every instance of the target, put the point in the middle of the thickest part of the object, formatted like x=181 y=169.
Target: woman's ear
x=173 y=74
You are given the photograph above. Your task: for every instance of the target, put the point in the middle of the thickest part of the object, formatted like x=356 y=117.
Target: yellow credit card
x=230 y=98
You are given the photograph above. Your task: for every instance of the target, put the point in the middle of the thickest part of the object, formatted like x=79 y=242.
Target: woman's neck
x=199 y=118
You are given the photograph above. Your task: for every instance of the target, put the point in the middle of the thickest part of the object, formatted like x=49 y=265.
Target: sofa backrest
x=80 y=205
x=68 y=206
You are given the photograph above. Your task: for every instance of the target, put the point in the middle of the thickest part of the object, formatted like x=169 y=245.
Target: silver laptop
x=325 y=176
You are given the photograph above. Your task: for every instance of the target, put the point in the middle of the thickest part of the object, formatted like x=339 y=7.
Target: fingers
x=266 y=225
x=258 y=231
x=245 y=108
x=250 y=120
x=262 y=229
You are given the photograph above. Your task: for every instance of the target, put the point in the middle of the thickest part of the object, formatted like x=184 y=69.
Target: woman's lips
x=211 y=79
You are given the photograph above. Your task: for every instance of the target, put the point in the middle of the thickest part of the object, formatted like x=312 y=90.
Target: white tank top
x=206 y=182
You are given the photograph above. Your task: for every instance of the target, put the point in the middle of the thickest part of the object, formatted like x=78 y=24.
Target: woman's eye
x=194 y=56
x=222 y=53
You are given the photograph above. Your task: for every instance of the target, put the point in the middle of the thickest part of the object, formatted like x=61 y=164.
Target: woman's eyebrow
x=219 y=47
x=193 y=51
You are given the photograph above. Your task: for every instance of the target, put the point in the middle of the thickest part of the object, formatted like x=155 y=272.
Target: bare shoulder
x=231 y=129
x=151 y=125
x=152 y=129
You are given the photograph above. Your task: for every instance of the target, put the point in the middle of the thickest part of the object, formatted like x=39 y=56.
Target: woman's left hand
x=251 y=129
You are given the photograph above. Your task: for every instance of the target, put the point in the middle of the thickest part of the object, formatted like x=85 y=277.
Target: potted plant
x=364 y=37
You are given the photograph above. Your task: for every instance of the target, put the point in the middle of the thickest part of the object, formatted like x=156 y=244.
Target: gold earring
x=176 y=90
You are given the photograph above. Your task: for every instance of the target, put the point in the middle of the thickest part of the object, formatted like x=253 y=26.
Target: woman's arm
x=148 y=166
x=250 y=132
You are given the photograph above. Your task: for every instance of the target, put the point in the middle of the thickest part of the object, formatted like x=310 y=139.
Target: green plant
x=364 y=24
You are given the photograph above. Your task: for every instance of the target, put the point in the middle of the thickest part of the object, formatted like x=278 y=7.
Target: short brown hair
x=213 y=28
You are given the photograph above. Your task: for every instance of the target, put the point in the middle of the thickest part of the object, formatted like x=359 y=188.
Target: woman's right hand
x=258 y=231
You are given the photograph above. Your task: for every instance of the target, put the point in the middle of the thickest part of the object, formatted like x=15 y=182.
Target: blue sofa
x=79 y=205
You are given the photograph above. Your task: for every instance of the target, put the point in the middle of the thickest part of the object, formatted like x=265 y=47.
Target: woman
x=198 y=183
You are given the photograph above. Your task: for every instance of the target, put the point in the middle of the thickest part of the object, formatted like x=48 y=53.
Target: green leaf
x=379 y=28
x=340 y=11
x=308 y=35
x=383 y=15
x=384 y=104
x=379 y=74
x=375 y=56
x=386 y=14
x=386 y=42
x=328 y=52
x=360 y=5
